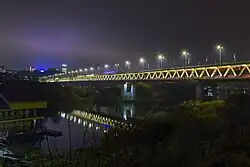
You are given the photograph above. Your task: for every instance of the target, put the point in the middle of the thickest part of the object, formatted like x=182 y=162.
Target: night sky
x=47 y=33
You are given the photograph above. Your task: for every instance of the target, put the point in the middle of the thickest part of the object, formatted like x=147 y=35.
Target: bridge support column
x=128 y=91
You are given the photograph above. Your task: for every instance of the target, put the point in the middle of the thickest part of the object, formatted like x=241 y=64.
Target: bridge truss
x=239 y=71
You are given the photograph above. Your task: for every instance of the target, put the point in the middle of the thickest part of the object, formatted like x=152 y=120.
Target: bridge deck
x=230 y=71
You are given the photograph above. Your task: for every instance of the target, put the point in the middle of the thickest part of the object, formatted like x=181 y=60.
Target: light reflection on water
x=77 y=127
x=125 y=112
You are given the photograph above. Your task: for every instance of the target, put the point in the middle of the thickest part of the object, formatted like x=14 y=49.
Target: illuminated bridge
x=224 y=71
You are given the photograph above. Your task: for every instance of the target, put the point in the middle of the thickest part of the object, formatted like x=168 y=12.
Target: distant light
x=142 y=60
x=184 y=53
x=109 y=72
x=106 y=66
x=41 y=70
x=160 y=57
x=64 y=65
x=127 y=62
x=219 y=47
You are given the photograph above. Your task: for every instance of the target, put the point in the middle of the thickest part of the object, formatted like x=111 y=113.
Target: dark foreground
x=195 y=134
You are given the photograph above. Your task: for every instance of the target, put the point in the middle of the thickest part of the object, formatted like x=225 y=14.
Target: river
x=73 y=129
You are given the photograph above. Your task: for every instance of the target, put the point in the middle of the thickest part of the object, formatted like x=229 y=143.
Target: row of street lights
x=187 y=55
x=160 y=57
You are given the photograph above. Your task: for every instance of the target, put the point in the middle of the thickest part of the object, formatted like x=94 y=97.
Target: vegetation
x=195 y=134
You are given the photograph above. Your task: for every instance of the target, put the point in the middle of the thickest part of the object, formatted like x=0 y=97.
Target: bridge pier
x=128 y=91
x=206 y=90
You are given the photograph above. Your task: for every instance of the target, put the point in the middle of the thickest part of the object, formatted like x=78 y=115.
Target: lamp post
x=160 y=58
x=127 y=64
x=220 y=48
x=185 y=56
x=117 y=66
x=142 y=62
x=106 y=66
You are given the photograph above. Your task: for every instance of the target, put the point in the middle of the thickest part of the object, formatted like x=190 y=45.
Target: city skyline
x=47 y=34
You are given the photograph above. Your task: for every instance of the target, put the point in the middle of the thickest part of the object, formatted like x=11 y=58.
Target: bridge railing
x=235 y=71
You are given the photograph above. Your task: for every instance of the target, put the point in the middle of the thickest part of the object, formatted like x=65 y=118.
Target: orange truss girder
x=211 y=72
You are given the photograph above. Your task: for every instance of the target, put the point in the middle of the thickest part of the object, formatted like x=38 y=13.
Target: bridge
x=206 y=72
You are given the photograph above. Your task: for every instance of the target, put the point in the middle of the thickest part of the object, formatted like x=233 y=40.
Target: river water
x=77 y=132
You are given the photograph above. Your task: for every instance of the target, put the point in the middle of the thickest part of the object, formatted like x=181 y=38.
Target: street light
x=220 y=48
x=142 y=61
x=91 y=69
x=80 y=70
x=185 y=54
x=106 y=66
x=117 y=66
x=160 y=58
x=127 y=64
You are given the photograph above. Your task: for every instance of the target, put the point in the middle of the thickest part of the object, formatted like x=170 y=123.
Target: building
x=64 y=68
x=31 y=69
x=19 y=108
x=28 y=75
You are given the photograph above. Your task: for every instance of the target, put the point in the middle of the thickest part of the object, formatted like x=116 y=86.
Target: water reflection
x=128 y=111
x=125 y=111
x=73 y=133
x=80 y=128
x=86 y=119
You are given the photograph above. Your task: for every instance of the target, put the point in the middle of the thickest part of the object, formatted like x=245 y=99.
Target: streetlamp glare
x=91 y=68
x=142 y=60
x=160 y=57
x=219 y=47
x=127 y=62
x=184 y=53
x=106 y=66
